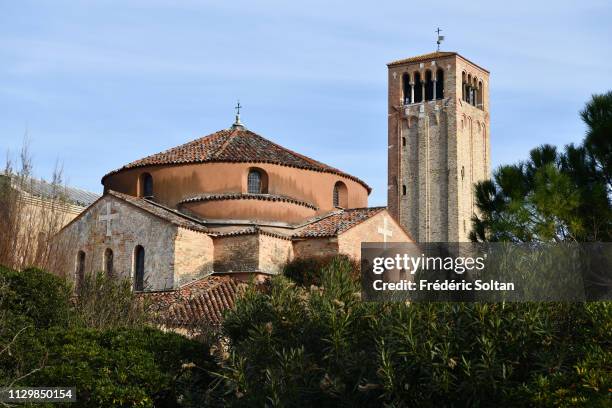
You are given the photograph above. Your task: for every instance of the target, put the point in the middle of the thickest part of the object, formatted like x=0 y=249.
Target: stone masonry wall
x=193 y=256
x=437 y=150
x=131 y=227
x=274 y=253
x=349 y=243
x=239 y=253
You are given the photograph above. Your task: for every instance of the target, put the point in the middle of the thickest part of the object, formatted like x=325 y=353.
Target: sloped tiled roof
x=248 y=231
x=201 y=302
x=430 y=56
x=424 y=57
x=168 y=214
x=246 y=196
x=236 y=145
x=44 y=189
x=337 y=223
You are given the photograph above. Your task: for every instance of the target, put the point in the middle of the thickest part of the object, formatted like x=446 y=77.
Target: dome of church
x=237 y=174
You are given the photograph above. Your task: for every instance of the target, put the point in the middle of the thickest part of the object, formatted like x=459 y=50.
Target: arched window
x=139 y=268
x=340 y=197
x=108 y=262
x=404 y=141
x=463 y=87
x=440 y=84
x=470 y=93
x=254 y=182
x=418 y=88
x=480 y=94
x=406 y=89
x=404 y=190
x=146 y=185
x=80 y=269
x=428 y=86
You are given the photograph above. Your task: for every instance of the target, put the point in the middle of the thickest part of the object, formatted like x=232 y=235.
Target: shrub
x=33 y=294
x=104 y=302
x=296 y=346
x=126 y=367
x=308 y=271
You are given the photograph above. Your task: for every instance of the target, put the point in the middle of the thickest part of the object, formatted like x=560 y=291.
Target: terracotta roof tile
x=202 y=302
x=424 y=57
x=237 y=145
x=337 y=222
x=244 y=196
x=173 y=216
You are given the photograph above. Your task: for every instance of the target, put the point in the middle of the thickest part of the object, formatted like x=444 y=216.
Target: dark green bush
x=36 y=295
x=46 y=342
x=295 y=346
x=307 y=271
x=126 y=367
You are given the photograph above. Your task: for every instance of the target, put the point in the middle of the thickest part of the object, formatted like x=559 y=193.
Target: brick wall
x=193 y=256
x=437 y=150
x=236 y=253
x=274 y=253
x=349 y=243
x=132 y=227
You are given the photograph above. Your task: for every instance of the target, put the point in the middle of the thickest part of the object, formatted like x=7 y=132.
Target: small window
x=139 y=268
x=254 y=182
x=146 y=185
x=403 y=141
x=108 y=262
x=340 y=195
x=404 y=191
x=80 y=269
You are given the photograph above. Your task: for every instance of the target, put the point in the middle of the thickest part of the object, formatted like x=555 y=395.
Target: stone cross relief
x=384 y=230
x=108 y=218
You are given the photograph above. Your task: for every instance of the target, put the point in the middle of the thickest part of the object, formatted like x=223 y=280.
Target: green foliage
x=40 y=297
x=553 y=196
x=105 y=302
x=46 y=340
x=126 y=367
x=296 y=346
x=307 y=271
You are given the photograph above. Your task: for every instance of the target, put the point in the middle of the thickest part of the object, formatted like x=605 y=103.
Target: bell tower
x=438 y=144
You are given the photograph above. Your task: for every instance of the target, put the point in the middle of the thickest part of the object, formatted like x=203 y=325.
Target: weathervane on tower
x=440 y=39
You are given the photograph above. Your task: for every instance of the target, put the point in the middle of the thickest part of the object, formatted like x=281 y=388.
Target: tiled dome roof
x=238 y=145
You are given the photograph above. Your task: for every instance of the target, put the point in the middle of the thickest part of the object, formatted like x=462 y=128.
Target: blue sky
x=98 y=84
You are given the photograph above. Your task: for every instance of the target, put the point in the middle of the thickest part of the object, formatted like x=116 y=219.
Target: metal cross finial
x=237 y=122
x=440 y=38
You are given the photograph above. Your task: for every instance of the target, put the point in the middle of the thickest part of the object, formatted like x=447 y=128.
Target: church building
x=185 y=225
x=232 y=203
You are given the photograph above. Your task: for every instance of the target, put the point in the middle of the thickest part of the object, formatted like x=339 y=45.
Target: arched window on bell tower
x=418 y=88
x=429 y=86
x=439 y=84
x=406 y=89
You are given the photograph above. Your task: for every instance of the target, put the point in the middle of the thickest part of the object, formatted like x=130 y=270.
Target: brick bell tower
x=438 y=143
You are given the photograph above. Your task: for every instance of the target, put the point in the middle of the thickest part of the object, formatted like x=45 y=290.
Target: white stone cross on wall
x=108 y=217
x=384 y=230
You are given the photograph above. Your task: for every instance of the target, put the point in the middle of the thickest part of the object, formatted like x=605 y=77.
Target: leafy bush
x=126 y=367
x=295 y=346
x=40 y=297
x=307 y=271
x=105 y=302
x=45 y=341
